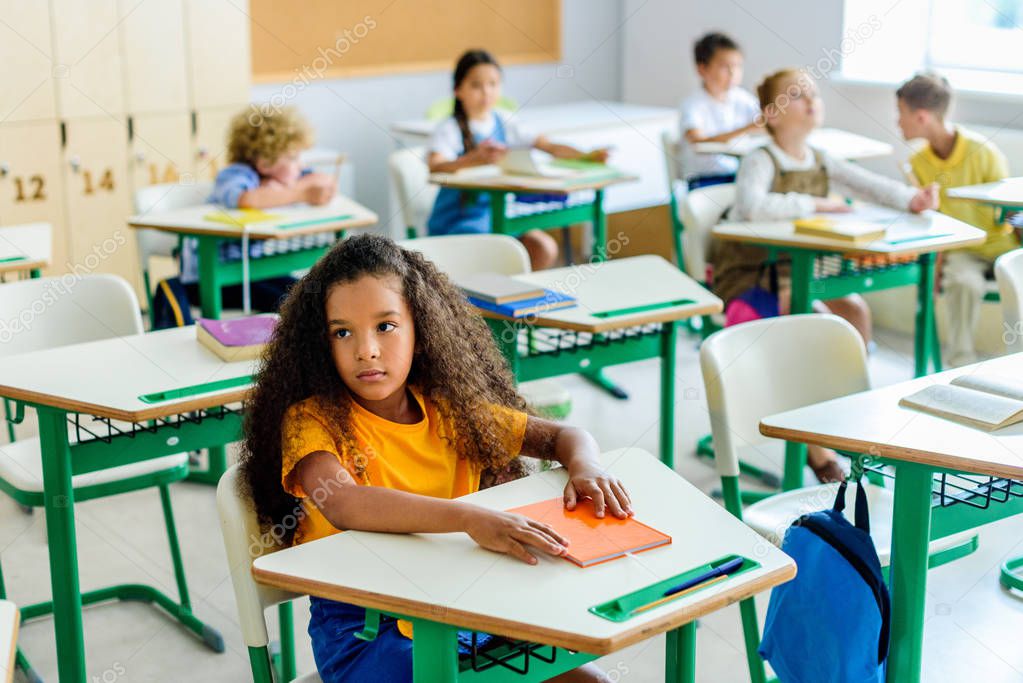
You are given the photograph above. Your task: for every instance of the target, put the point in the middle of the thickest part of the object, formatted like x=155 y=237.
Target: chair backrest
x=445 y=107
x=410 y=179
x=671 y=150
x=165 y=197
x=245 y=541
x=56 y=311
x=701 y=209
x=769 y=366
x=459 y=255
x=1009 y=275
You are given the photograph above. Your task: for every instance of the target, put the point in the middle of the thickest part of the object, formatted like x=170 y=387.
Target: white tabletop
x=834 y=142
x=555 y=118
x=448 y=578
x=906 y=233
x=8 y=639
x=490 y=177
x=24 y=247
x=341 y=213
x=1007 y=193
x=873 y=422
x=622 y=286
x=106 y=378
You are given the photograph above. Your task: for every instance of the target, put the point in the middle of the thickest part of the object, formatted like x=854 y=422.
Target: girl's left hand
x=587 y=481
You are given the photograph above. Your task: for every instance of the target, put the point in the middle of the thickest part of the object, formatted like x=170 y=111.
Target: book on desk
x=983 y=401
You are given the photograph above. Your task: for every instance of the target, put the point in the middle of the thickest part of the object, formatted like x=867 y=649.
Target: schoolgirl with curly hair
x=381 y=398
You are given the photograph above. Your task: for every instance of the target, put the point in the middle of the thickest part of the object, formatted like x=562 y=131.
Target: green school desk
x=822 y=268
x=25 y=249
x=299 y=220
x=445 y=581
x=497 y=186
x=8 y=639
x=126 y=400
x=628 y=310
x=934 y=495
x=1005 y=195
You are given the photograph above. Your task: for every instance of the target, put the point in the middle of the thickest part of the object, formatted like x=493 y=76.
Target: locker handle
x=76 y=163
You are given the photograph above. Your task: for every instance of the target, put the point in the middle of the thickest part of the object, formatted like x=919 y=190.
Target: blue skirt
x=340 y=656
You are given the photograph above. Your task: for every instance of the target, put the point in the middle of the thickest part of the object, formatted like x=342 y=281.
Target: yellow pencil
x=661 y=601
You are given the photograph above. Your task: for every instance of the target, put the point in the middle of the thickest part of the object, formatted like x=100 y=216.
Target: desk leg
x=35 y=274
x=802 y=281
x=434 y=652
x=926 y=344
x=668 y=339
x=498 y=212
x=58 y=499
x=908 y=571
x=209 y=278
x=680 y=654
x=599 y=227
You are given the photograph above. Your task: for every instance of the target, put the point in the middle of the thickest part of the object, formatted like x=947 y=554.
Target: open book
x=982 y=401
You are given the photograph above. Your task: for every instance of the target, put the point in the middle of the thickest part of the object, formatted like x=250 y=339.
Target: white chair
x=50 y=313
x=245 y=541
x=460 y=255
x=676 y=187
x=701 y=209
x=412 y=188
x=770 y=366
x=163 y=197
x=1009 y=276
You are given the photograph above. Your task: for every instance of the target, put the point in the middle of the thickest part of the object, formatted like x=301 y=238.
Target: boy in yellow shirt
x=955 y=156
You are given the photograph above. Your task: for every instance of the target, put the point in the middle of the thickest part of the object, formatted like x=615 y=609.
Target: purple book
x=255 y=329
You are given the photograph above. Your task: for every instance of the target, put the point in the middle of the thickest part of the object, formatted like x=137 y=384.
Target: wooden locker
x=87 y=56
x=153 y=49
x=26 y=48
x=211 y=140
x=31 y=183
x=219 y=57
x=98 y=199
x=160 y=149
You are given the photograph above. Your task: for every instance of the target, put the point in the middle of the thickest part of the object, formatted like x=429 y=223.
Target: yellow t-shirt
x=407 y=457
x=973 y=160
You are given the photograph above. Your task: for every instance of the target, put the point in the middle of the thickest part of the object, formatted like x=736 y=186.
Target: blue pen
x=721 y=570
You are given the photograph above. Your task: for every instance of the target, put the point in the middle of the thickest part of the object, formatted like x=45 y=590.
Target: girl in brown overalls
x=785 y=180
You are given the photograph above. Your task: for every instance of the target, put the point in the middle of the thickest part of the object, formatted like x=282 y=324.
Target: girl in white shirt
x=785 y=180
x=477 y=134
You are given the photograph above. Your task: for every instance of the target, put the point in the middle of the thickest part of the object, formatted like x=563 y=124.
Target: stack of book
x=513 y=298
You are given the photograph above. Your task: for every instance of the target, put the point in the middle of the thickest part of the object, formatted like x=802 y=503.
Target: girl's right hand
x=506 y=532
x=828 y=205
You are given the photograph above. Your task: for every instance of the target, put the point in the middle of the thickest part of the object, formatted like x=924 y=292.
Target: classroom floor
x=973 y=626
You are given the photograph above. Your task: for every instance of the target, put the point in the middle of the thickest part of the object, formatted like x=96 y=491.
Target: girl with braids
x=478 y=134
x=381 y=397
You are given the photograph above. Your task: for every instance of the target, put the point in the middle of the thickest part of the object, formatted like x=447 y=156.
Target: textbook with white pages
x=983 y=401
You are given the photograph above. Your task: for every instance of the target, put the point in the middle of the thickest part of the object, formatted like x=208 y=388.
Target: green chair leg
x=1011 y=577
x=175 y=548
x=285 y=663
x=259 y=660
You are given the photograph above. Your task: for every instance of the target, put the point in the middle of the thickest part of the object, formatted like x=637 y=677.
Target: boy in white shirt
x=718 y=112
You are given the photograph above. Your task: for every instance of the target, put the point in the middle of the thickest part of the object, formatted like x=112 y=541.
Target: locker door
x=31 y=184
x=88 y=58
x=97 y=196
x=211 y=140
x=152 y=35
x=219 y=57
x=161 y=149
x=26 y=46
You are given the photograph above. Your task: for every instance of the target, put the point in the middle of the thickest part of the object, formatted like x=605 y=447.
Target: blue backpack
x=831 y=623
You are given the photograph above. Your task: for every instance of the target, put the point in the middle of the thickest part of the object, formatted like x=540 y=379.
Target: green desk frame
x=528 y=358
x=593 y=213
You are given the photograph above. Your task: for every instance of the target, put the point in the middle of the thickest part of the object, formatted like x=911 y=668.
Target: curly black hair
x=456 y=365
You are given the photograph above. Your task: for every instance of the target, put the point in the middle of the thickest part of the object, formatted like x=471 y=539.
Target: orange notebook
x=593 y=540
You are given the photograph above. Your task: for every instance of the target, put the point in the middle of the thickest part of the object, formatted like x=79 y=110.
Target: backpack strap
x=862 y=513
x=840 y=497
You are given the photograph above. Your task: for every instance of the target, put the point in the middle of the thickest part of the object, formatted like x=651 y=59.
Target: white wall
x=354 y=115
x=658 y=66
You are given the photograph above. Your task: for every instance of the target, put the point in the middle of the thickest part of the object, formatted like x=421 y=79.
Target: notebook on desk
x=240 y=216
x=593 y=540
x=236 y=339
